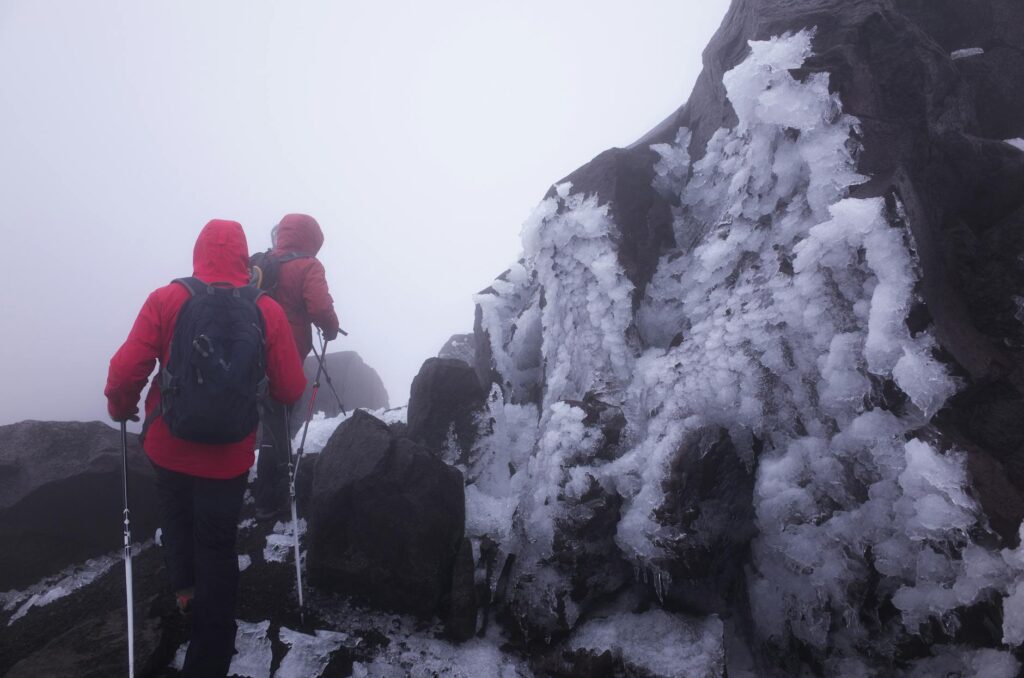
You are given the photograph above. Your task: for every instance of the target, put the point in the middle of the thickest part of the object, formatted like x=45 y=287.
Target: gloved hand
x=121 y=417
x=330 y=334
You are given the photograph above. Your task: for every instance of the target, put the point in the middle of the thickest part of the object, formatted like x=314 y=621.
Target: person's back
x=200 y=485
x=302 y=283
x=301 y=289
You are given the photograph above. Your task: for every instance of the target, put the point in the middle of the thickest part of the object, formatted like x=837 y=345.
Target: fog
x=420 y=135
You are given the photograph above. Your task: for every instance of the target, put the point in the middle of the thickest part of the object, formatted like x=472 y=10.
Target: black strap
x=291 y=256
x=192 y=284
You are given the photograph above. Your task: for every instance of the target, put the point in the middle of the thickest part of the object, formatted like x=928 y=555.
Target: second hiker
x=295 y=278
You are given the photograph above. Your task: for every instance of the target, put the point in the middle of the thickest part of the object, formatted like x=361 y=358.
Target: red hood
x=221 y=253
x=298 y=233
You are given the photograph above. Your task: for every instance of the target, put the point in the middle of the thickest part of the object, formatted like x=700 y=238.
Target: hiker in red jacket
x=200 y=485
x=301 y=289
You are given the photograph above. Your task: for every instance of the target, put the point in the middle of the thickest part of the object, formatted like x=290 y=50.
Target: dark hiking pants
x=270 y=489
x=199 y=519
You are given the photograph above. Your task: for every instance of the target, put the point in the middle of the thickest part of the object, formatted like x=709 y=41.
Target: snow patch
x=281 y=541
x=966 y=52
x=322 y=427
x=308 y=655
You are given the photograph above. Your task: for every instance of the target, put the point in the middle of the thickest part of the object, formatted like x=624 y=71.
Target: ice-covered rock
x=801 y=292
x=655 y=644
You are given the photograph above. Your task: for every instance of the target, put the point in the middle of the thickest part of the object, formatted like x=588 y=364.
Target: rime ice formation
x=778 y=318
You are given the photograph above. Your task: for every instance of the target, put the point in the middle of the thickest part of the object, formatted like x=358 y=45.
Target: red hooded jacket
x=302 y=284
x=220 y=255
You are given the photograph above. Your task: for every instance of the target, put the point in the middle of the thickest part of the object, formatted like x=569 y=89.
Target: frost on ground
x=418 y=656
x=417 y=650
x=63 y=583
x=308 y=655
x=657 y=643
x=253 y=652
x=281 y=541
x=780 y=318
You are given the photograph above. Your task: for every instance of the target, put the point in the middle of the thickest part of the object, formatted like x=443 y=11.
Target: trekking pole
x=321 y=357
x=293 y=472
x=128 y=551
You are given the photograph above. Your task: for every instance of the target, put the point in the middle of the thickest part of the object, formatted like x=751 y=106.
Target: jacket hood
x=298 y=233
x=221 y=253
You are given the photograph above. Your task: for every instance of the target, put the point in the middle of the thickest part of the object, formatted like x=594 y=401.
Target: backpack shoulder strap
x=292 y=256
x=250 y=292
x=193 y=285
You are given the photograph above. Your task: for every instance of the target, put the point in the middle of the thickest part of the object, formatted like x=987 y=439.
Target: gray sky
x=419 y=134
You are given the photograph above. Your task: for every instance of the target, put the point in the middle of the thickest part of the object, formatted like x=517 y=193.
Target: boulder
x=445 y=398
x=386 y=518
x=357 y=384
x=61 y=499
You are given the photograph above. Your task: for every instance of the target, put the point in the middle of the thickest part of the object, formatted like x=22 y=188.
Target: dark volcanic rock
x=445 y=396
x=460 y=347
x=709 y=521
x=97 y=648
x=357 y=384
x=386 y=518
x=61 y=499
x=83 y=633
x=460 y=620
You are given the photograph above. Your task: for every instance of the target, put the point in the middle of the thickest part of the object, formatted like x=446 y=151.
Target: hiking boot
x=184 y=603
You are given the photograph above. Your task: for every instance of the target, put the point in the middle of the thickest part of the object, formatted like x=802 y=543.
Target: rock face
x=444 y=399
x=802 y=292
x=386 y=518
x=357 y=384
x=60 y=496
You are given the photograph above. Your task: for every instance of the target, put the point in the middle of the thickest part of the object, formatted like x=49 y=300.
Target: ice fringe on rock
x=656 y=643
x=63 y=583
x=780 y=316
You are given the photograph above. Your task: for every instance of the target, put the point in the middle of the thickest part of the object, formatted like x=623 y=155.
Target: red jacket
x=220 y=255
x=302 y=284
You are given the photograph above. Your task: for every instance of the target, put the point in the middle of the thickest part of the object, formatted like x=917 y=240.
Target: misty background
x=420 y=135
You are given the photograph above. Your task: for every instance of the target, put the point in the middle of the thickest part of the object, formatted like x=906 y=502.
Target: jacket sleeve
x=134 y=361
x=319 y=304
x=284 y=369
